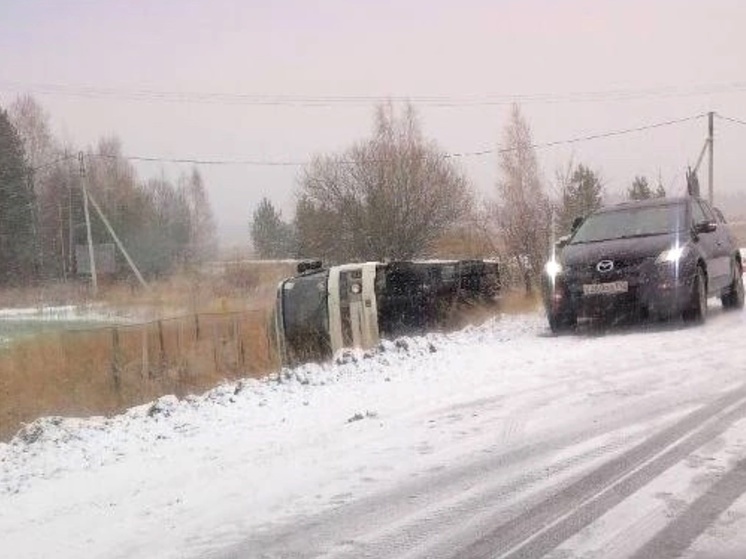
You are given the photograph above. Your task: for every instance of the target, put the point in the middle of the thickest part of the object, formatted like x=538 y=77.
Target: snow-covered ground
x=63 y=312
x=499 y=440
x=20 y=322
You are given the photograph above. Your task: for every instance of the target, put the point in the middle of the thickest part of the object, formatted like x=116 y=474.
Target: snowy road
x=498 y=441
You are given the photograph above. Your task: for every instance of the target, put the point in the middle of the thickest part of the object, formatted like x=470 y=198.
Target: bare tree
x=203 y=227
x=524 y=211
x=114 y=183
x=160 y=224
x=60 y=209
x=388 y=197
x=32 y=123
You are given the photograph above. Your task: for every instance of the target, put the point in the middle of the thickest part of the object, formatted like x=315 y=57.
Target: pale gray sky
x=688 y=55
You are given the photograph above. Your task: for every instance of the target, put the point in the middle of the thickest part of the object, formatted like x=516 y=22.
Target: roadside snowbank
x=50 y=447
x=183 y=478
x=145 y=482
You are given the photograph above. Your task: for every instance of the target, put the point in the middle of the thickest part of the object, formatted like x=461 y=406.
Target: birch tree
x=524 y=211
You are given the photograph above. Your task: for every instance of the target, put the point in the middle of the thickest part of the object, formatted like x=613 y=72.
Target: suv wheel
x=734 y=296
x=697 y=310
x=561 y=322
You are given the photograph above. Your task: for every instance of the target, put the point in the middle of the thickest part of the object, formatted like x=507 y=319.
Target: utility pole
x=711 y=142
x=70 y=263
x=118 y=242
x=91 y=257
x=70 y=232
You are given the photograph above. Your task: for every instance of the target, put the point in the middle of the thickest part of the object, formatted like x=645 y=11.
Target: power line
x=61 y=159
x=731 y=119
x=452 y=155
x=197 y=161
x=328 y=101
x=611 y=133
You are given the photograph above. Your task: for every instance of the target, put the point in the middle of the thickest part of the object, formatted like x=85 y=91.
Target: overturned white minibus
x=323 y=310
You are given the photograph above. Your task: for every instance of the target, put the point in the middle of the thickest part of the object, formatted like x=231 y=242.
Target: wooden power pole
x=91 y=257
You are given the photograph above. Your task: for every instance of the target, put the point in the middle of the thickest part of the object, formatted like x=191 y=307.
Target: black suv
x=662 y=257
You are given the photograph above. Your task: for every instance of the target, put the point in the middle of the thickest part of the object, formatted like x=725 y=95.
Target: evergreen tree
x=271 y=236
x=31 y=122
x=17 y=204
x=580 y=196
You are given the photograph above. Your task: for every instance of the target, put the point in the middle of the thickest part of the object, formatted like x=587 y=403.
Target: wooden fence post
x=241 y=347
x=146 y=373
x=215 y=348
x=116 y=365
x=236 y=342
x=181 y=354
x=162 y=349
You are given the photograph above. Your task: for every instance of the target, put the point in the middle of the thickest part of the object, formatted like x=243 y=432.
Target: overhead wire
x=610 y=133
x=449 y=155
x=60 y=159
x=198 y=161
x=446 y=101
x=731 y=119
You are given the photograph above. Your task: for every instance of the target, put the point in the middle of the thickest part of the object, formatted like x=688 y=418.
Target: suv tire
x=697 y=311
x=733 y=297
x=562 y=322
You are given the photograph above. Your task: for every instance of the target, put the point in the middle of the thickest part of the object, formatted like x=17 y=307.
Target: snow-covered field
x=499 y=440
x=87 y=313
x=27 y=321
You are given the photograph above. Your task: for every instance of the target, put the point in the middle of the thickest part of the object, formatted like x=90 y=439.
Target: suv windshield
x=631 y=222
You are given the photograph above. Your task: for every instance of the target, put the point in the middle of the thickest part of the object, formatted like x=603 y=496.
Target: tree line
x=397 y=195
x=392 y=195
x=163 y=224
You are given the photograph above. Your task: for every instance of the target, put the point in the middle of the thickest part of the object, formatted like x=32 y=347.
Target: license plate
x=605 y=288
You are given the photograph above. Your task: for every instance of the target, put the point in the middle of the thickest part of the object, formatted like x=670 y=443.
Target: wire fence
x=107 y=369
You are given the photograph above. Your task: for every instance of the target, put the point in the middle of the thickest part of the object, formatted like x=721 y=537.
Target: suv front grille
x=623 y=268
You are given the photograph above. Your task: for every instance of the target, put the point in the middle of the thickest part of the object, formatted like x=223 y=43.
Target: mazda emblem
x=605 y=266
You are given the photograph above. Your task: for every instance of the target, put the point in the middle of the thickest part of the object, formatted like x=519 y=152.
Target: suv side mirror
x=562 y=241
x=706 y=227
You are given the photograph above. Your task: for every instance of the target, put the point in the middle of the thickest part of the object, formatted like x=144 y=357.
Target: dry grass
x=231 y=286
x=517 y=301
x=234 y=286
x=106 y=370
x=207 y=327
x=221 y=334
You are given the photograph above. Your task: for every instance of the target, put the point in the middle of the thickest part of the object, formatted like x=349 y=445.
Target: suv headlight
x=672 y=255
x=553 y=268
